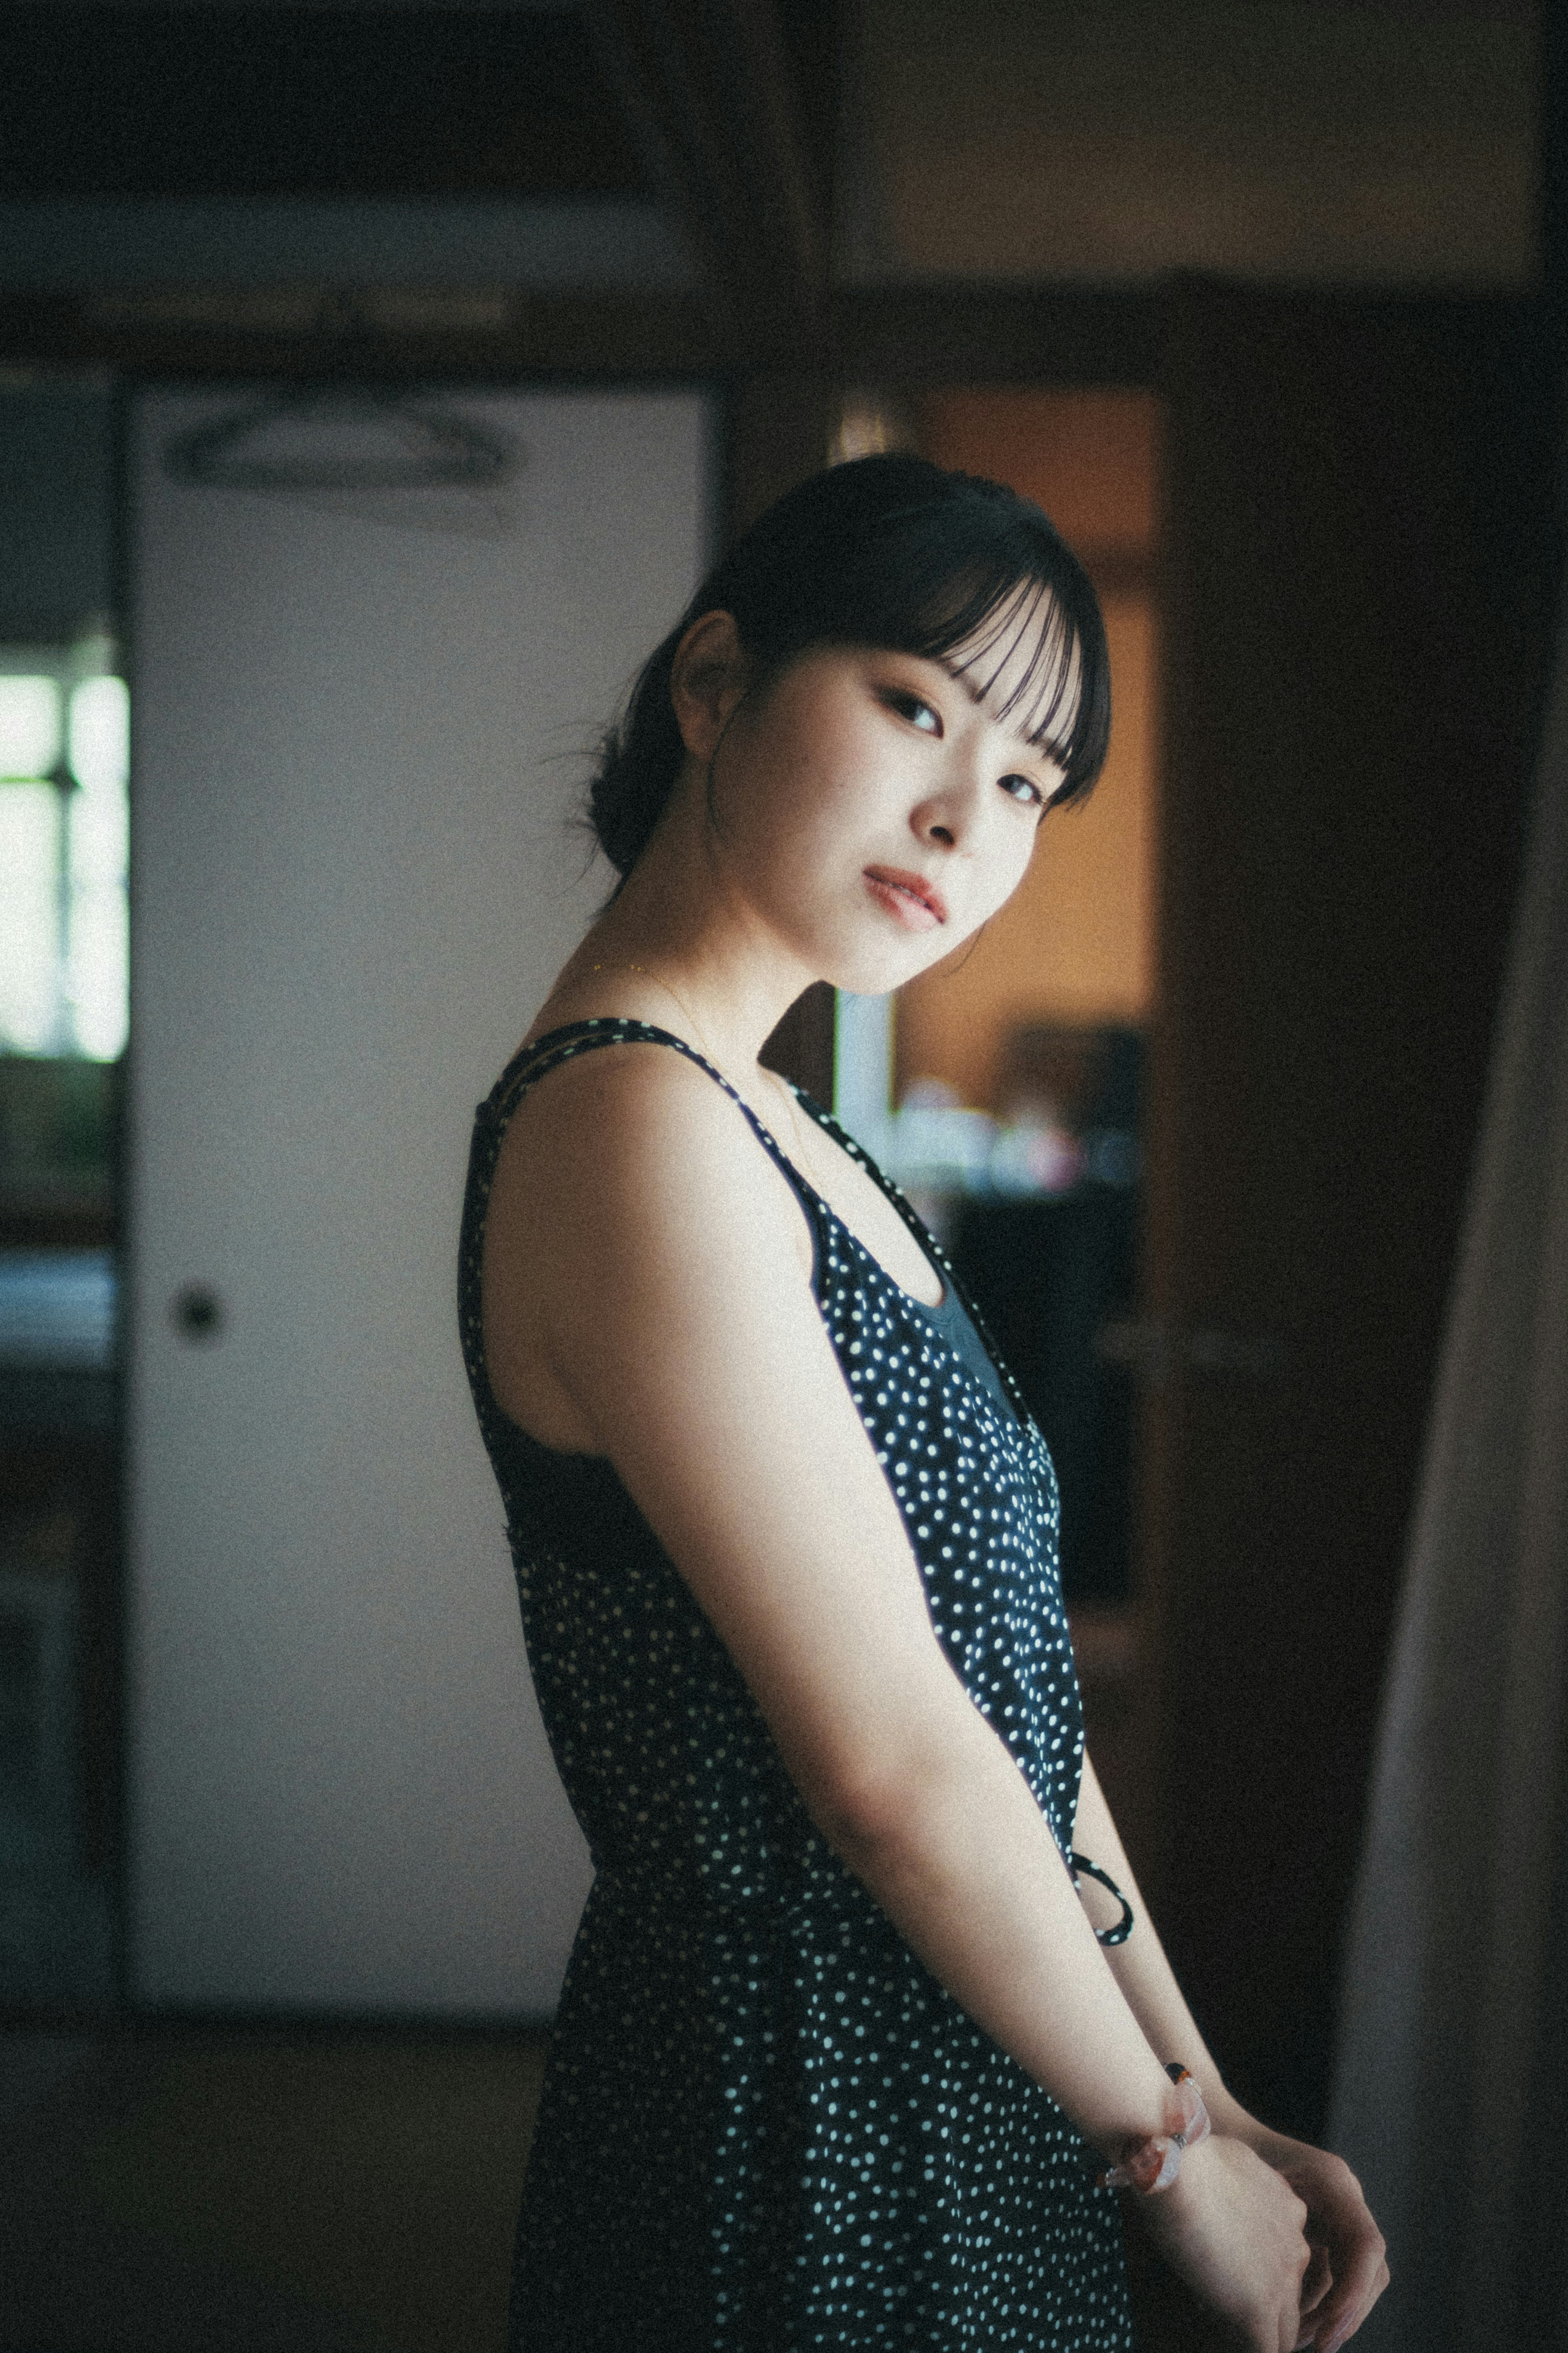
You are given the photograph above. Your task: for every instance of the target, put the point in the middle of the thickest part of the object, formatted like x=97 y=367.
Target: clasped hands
x=1274 y=2235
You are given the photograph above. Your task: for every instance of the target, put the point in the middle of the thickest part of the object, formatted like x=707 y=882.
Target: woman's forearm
x=963 y=1861
x=1141 y=1968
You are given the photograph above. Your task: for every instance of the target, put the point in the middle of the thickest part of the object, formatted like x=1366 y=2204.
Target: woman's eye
x=919 y=714
x=1023 y=789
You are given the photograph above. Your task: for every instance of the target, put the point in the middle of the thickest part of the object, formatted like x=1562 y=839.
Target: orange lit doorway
x=1046 y=1021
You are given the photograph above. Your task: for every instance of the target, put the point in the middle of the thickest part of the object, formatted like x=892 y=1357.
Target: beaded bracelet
x=1153 y=2162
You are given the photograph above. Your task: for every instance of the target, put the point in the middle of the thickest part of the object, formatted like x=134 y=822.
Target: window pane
x=29 y=916
x=97 y=969
x=99 y=822
x=97 y=819
x=30 y=726
x=100 y=735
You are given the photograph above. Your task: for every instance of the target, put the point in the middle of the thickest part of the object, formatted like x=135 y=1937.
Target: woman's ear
x=706 y=680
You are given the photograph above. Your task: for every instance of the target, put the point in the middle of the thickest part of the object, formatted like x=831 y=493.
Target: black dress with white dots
x=764 y=2123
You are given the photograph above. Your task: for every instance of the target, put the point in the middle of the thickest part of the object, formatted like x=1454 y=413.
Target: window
x=64 y=765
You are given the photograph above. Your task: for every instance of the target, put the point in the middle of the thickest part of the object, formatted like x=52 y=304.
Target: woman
x=840 y=2054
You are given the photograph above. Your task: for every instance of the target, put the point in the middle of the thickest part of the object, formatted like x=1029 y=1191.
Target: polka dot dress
x=764 y=2123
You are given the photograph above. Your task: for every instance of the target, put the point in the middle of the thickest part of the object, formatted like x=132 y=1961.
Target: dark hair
x=896 y=553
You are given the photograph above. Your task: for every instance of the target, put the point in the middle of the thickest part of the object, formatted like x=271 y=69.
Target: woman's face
x=872 y=812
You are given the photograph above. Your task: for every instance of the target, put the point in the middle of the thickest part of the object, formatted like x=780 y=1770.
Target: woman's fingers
x=1351 y=2300
x=1319 y=2277
x=1343 y=2286
x=1353 y=2245
x=1347 y=2273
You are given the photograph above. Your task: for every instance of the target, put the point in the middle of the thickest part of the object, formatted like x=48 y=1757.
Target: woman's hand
x=1347 y=2274
x=1231 y=2227
x=1348 y=2271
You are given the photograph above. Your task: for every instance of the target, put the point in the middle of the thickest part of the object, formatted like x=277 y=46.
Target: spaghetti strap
x=540 y=1055
x=957 y=1286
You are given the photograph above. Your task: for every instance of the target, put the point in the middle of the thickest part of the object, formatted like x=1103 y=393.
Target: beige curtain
x=1452 y=2099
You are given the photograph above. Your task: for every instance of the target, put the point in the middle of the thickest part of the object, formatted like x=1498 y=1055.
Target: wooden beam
x=287 y=332
x=963 y=333
x=778 y=429
x=708 y=92
x=801 y=1047
x=914 y=337
x=206 y=100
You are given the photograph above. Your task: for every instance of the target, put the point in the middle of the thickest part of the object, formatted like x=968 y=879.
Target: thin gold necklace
x=785 y=1093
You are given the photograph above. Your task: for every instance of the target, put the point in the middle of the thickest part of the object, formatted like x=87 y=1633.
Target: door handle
x=198 y=1313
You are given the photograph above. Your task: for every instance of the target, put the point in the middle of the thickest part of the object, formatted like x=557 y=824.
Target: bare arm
x=1140 y=1966
x=640 y=1239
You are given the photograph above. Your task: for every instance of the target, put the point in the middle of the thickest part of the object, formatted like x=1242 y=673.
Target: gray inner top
x=952 y=1320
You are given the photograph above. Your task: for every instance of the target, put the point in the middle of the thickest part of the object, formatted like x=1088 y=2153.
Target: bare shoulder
x=647 y=1299
x=626 y=1133
x=630 y=1192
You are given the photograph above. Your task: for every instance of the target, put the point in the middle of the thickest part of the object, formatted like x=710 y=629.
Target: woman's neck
x=677 y=942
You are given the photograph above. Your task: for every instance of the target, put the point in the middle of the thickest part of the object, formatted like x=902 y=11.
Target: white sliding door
x=361 y=728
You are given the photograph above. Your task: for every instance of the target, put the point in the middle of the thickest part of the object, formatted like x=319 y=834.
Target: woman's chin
x=862 y=974
x=872 y=958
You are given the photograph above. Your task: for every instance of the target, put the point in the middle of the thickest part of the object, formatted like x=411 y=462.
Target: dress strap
x=1080 y=1866
x=535 y=1060
x=927 y=1241
x=544 y=1054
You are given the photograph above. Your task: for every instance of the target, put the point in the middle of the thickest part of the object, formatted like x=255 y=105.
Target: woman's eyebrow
x=961 y=678
x=1043 y=745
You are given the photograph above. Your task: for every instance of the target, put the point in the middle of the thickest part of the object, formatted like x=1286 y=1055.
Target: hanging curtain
x=1452 y=2090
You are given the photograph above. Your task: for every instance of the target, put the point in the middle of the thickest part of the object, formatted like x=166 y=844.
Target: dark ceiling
x=225 y=100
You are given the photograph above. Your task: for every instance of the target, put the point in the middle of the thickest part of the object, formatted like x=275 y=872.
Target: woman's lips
x=907 y=896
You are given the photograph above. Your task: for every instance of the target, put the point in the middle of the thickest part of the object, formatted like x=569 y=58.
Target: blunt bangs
x=892 y=552
x=955 y=570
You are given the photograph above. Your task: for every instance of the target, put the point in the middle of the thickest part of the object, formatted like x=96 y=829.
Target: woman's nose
x=945 y=818
x=948 y=815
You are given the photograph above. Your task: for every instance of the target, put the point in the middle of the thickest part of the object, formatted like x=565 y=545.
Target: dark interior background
x=1363 y=531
